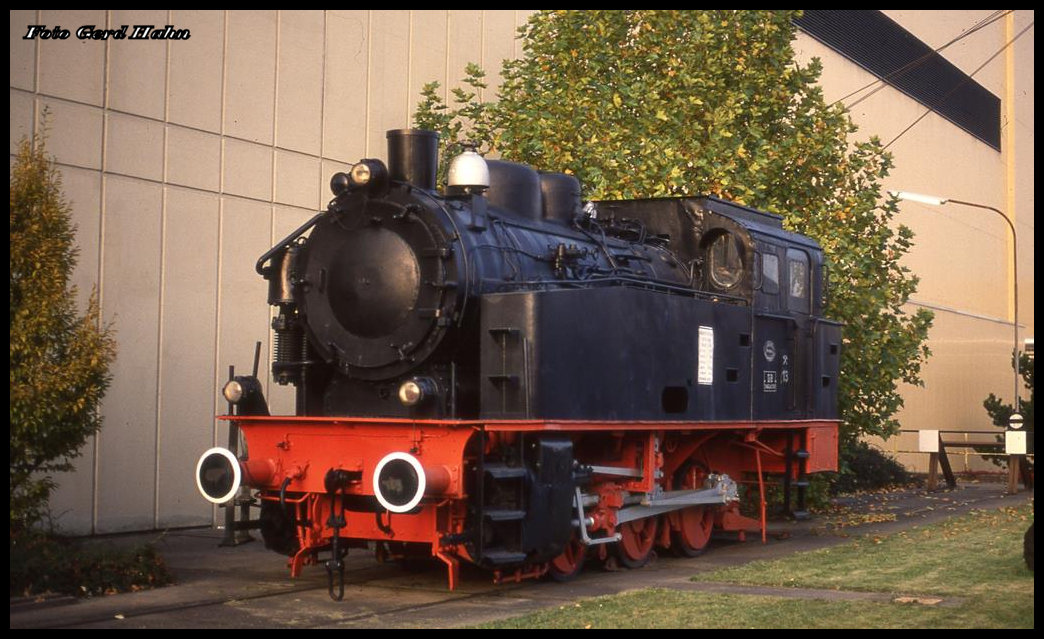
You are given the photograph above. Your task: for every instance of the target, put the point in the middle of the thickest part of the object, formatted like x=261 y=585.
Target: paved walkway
x=250 y=587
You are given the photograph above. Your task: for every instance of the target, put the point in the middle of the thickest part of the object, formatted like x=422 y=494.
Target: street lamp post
x=1015 y=421
x=938 y=201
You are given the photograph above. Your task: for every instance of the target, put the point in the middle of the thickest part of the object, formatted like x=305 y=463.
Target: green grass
x=973 y=563
x=969 y=555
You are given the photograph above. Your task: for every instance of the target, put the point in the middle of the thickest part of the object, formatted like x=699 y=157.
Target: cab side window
x=770 y=273
x=767 y=282
x=799 y=297
x=725 y=260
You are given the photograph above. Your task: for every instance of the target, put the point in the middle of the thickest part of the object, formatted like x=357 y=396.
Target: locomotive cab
x=796 y=354
x=742 y=256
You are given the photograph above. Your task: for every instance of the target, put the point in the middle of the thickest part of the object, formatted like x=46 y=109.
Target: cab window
x=799 y=296
x=770 y=273
x=725 y=260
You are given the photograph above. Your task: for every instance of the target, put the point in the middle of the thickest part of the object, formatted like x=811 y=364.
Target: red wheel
x=636 y=541
x=696 y=524
x=569 y=564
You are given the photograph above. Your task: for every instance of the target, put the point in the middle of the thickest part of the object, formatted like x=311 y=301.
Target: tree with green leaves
x=59 y=358
x=656 y=103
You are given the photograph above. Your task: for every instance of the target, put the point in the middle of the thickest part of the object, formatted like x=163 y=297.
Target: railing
x=939 y=443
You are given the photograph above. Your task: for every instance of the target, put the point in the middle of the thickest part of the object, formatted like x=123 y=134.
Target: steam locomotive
x=504 y=375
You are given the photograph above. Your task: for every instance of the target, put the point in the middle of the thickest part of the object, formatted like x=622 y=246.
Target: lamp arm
x=1015 y=284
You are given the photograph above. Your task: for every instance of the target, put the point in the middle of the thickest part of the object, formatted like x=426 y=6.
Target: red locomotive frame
x=288 y=457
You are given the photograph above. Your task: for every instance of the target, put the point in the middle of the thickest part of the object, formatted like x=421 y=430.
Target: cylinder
x=437 y=480
x=257 y=472
x=400 y=481
x=289 y=348
x=279 y=289
x=413 y=157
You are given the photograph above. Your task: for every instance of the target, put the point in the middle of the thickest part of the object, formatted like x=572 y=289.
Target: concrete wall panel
x=299 y=93
x=131 y=246
x=193 y=158
x=427 y=54
x=389 y=78
x=72 y=69
x=138 y=70
x=82 y=189
x=23 y=107
x=137 y=145
x=23 y=52
x=74 y=132
x=195 y=93
x=247 y=169
x=246 y=233
x=346 y=85
x=297 y=180
x=250 y=76
x=187 y=367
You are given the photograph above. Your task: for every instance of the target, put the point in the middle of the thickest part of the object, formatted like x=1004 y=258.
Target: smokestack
x=413 y=157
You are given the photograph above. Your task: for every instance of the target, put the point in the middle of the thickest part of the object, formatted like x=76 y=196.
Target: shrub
x=863 y=467
x=59 y=358
x=48 y=564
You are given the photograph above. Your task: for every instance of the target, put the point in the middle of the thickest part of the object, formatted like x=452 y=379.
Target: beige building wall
x=962 y=255
x=185 y=160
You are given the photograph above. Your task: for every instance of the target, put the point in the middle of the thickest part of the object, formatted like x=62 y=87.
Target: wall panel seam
x=322 y=103
x=271 y=207
x=96 y=471
x=409 y=66
x=369 y=76
x=162 y=284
